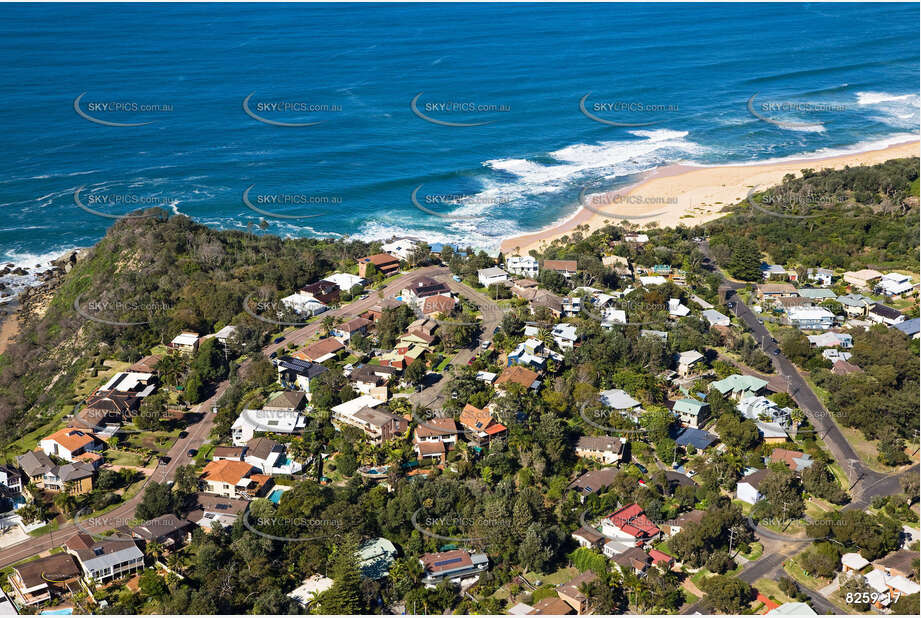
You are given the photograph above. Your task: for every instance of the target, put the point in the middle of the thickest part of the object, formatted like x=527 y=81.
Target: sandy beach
x=691 y=195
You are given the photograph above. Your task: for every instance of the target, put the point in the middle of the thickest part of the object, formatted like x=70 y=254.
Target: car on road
x=363 y=297
x=484 y=345
x=192 y=452
x=183 y=434
x=278 y=339
x=773 y=340
x=456 y=278
x=164 y=460
x=730 y=305
x=641 y=468
x=761 y=322
x=273 y=354
x=449 y=367
x=776 y=352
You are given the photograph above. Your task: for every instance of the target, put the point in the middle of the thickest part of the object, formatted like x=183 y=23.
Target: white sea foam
x=902 y=111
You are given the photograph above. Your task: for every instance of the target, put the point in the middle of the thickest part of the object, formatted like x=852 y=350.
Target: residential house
x=532 y=352
x=661 y=559
x=853 y=562
x=136 y=383
x=612 y=316
x=383 y=263
x=312 y=587
x=606 y=449
x=811 y=318
x=588 y=537
x=421 y=288
x=884 y=314
x=378 y=425
x=772 y=291
x=372 y=380
x=550 y=606
x=831 y=340
x=320 y=351
x=856 y=305
x=402 y=248
x=789 y=302
x=822 y=276
x=224 y=335
x=10 y=481
x=34 y=465
x=567 y=268
x=619 y=400
x=325 y=292
x=434 y=437
x=439 y=304
x=794 y=460
x=346 y=331
x=691 y=413
x=250 y=422
x=572 y=305
x=105 y=560
x=842 y=368
x=518 y=375
x=747 y=488
x=910 y=327
x=454 y=564
x=776 y=272
x=286 y=401
x=269 y=457
x=738 y=387
x=895 y=284
x=699 y=439
x=715 y=318
x=75 y=478
x=185 y=342
x=304 y=304
x=565 y=336
x=687 y=361
x=234 y=479
x=652 y=280
x=593 y=481
x=375 y=556
x=479 y=426
x=297 y=372
x=68 y=443
x=228 y=453
x=491 y=276
x=526 y=266
x=674 y=526
x=676 y=309
x=169 y=531
x=43 y=579
x=897 y=564
x=630 y=524
x=862 y=278
x=148 y=364
x=105 y=408
x=346 y=281
x=377 y=310
x=636 y=238
x=571 y=592
x=889 y=587
x=210 y=509
x=634 y=559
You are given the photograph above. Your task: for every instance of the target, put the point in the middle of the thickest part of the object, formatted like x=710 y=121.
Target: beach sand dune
x=690 y=195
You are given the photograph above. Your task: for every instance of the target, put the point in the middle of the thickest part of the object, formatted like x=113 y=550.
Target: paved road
x=199 y=431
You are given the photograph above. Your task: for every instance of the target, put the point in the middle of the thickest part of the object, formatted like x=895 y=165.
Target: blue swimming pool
x=67 y=611
x=275 y=496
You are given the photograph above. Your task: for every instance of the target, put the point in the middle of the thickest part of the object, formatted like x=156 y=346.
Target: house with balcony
x=433 y=438
x=296 y=373
x=185 y=342
x=491 y=276
x=378 y=426
x=105 y=560
x=68 y=443
x=234 y=479
x=269 y=457
x=567 y=268
x=347 y=330
x=250 y=422
x=884 y=314
x=811 y=318
x=304 y=304
x=44 y=579
x=384 y=263
x=479 y=426
x=526 y=266
x=456 y=564
x=738 y=387
x=691 y=413
x=820 y=276
x=606 y=449
x=422 y=288
x=687 y=362
x=630 y=524
x=896 y=285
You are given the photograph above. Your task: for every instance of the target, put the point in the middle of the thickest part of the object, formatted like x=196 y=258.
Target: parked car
x=278 y=339
x=192 y=452
x=777 y=352
x=183 y=434
x=456 y=278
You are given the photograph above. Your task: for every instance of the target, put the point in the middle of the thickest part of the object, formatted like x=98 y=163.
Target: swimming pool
x=275 y=496
x=58 y=612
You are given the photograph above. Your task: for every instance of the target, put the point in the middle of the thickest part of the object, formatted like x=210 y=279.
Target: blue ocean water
x=833 y=77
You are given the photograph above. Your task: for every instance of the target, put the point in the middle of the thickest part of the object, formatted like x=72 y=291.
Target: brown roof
x=218 y=504
x=794 y=301
x=381 y=259
x=72 y=439
x=321 y=348
x=113 y=401
x=430 y=448
x=227 y=451
x=437 y=304
x=786 y=456
x=590 y=534
x=518 y=375
x=226 y=471
x=526 y=283
x=148 y=364
x=354 y=325
x=776 y=288
x=437 y=427
x=594 y=480
x=87 y=548
x=755 y=478
x=437 y=562
x=53 y=568
x=899 y=560
x=475 y=418
x=843 y=368
x=551 y=606
x=634 y=558
x=568 y=265
x=690 y=517
x=571 y=588
x=600 y=443
x=286 y=400
x=261 y=447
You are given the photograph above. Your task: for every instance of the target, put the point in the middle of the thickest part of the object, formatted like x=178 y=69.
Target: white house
x=811 y=318
x=401 y=247
x=715 y=318
x=822 y=276
x=687 y=360
x=346 y=281
x=526 y=265
x=831 y=340
x=651 y=280
x=272 y=421
x=895 y=284
x=676 y=309
x=565 y=335
x=185 y=342
x=303 y=303
x=491 y=276
x=69 y=443
x=637 y=238
x=747 y=488
x=622 y=402
x=269 y=457
x=612 y=316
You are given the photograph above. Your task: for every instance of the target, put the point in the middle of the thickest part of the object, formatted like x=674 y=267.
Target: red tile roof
x=632 y=520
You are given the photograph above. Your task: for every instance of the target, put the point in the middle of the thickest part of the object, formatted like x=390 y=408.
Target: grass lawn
x=756 y=550
x=157 y=441
x=204 y=454
x=125 y=458
x=745 y=506
x=29 y=441
x=443 y=363
x=794 y=570
x=866 y=449
x=771 y=589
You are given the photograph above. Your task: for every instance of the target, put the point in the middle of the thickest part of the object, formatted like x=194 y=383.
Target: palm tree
x=65 y=502
x=154 y=549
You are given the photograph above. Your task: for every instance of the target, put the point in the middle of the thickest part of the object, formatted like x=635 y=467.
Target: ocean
x=495 y=117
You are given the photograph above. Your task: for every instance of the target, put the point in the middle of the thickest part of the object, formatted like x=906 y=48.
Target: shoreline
x=693 y=194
